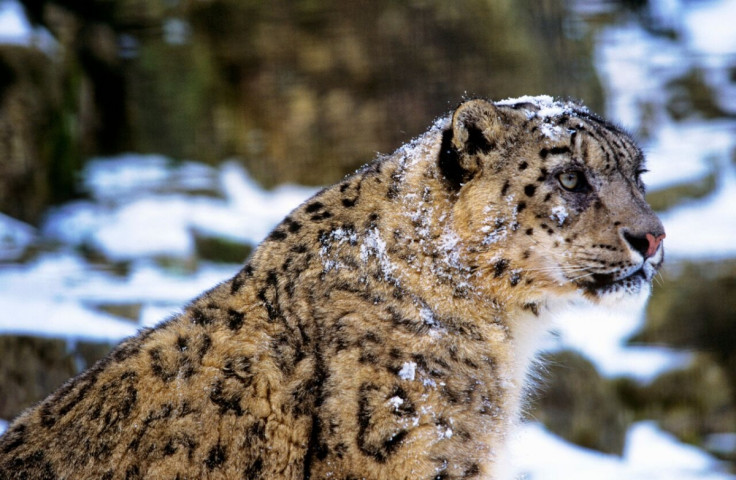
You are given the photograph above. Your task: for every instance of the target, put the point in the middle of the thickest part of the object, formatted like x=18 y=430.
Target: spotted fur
x=384 y=329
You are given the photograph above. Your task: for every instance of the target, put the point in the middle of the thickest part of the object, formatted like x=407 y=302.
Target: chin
x=632 y=290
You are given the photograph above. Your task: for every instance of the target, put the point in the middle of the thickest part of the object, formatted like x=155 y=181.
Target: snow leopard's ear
x=475 y=127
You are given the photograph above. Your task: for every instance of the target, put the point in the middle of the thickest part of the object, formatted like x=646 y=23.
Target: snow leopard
x=385 y=329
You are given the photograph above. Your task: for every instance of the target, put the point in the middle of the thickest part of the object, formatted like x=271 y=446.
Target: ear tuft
x=475 y=126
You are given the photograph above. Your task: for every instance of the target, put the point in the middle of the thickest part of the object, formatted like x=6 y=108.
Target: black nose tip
x=646 y=244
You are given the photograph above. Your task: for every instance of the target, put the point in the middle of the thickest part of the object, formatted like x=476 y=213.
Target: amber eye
x=570 y=180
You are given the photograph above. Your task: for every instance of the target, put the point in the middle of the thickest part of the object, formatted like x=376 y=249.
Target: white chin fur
x=621 y=296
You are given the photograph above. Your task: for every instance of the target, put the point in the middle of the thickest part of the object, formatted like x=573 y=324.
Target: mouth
x=603 y=283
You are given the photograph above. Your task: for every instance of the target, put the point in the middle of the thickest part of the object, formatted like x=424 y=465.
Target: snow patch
x=540 y=101
x=408 y=371
x=547 y=108
x=650 y=454
x=375 y=246
x=148 y=206
x=559 y=214
x=395 y=402
x=601 y=334
x=333 y=239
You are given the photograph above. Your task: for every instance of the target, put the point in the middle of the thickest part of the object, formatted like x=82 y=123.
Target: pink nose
x=653 y=244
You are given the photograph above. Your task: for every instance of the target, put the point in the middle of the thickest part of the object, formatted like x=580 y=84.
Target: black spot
x=235 y=319
x=133 y=472
x=520 y=207
x=301 y=248
x=505 y=188
x=529 y=190
x=523 y=165
x=321 y=216
x=200 y=318
x=254 y=469
x=472 y=471
x=236 y=285
x=286 y=265
x=542 y=174
x=277 y=235
x=169 y=448
x=547 y=197
x=514 y=279
x=256 y=433
x=205 y=346
x=294 y=226
x=530 y=231
x=349 y=202
x=157 y=366
x=239 y=279
x=499 y=267
x=216 y=457
x=314 y=206
x=226 y=404
x=553 y=151
x=316 y=447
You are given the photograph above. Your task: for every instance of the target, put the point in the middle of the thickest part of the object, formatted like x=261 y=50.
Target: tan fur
x=383 y=330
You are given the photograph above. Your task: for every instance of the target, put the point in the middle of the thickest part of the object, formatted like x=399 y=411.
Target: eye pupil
x=569 y=180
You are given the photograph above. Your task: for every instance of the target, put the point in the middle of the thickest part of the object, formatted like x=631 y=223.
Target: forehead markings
x=617 y=141
x=600 y=137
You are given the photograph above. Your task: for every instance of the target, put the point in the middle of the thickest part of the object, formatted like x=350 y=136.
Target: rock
x=579 y=405
x=33 y=367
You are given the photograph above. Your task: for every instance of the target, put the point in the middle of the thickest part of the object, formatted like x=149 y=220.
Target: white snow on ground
x=149 y=212
x=650 y=454
x=61 y=318
x=14 y=26
x=15 y=236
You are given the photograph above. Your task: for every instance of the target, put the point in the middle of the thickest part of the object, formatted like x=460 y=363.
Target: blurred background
x=147 y=146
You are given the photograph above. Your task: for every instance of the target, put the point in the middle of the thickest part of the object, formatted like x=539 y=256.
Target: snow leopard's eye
x=573 y=180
